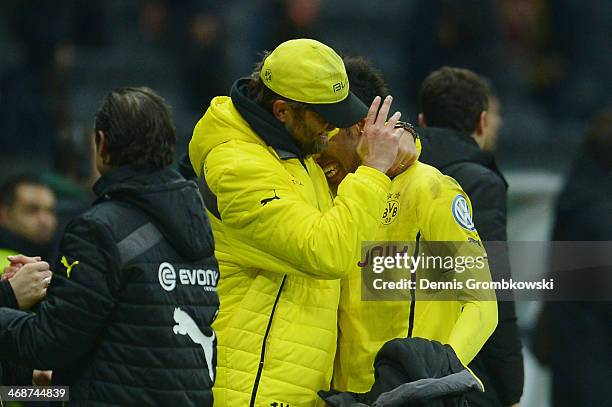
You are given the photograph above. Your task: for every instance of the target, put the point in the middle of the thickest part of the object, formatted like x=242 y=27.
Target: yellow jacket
x=282 y=245
x=419 y=208
x=4 y=262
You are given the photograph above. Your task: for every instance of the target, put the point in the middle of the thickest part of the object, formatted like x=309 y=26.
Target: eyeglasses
x=408 y=127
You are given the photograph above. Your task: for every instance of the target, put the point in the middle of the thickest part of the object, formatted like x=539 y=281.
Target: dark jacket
x=7 y=295
x=578 y=334
x=127 y=316
x=9 y=371
x=412 y=372
x=500 y=363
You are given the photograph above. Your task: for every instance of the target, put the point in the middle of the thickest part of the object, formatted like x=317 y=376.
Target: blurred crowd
x=548 y=60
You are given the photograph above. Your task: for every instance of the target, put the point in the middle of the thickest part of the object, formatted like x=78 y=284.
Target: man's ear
x=358 y=129
x=422 y=122
x=102 y=146
x=280 y=109
x=481 y=123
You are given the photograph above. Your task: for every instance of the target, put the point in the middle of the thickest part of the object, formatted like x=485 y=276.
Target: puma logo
x=265 y=201
x=69 y=267
x=187 y=326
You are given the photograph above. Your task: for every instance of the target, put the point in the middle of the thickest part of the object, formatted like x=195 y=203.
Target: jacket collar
x=267 y=127
x=444 y=147
x=117 y=177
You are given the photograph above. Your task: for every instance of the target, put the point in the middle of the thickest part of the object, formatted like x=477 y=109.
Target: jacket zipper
x=263 y=345
x=413 y=290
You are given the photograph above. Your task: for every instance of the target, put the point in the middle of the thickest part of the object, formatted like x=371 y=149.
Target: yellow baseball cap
x=310 y=72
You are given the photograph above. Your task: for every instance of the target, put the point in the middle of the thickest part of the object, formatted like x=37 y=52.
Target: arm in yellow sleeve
x=444 y=222
x=288 y=234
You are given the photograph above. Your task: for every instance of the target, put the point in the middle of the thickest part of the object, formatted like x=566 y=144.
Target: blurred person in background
x=198 y=27
x=578 y=335
x=584 y=83
x=421 y=208
x=127 y=319
x=455 y=131
x=494 y=123
x=28 y=218
x=72 y=175
x=455 y=33
x=34 y=108
x=281 y=241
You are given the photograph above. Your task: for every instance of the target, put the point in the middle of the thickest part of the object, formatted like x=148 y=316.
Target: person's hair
x=598 y=137
x=453 y=98
x=264 y=96
x=138 y=128
x=365 y=81
x=9 y=187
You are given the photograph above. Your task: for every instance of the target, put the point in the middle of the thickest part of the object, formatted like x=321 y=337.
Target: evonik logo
x=168 y=277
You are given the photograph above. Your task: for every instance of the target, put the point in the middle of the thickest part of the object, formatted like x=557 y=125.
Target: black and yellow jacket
x=421 y=207
x=282 y=245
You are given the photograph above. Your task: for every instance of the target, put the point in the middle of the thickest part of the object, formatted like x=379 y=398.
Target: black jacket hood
x=444 y=147
x=173 y=203
x=261 y=121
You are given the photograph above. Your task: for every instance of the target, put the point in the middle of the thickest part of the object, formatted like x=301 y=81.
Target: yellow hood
x=220 y=124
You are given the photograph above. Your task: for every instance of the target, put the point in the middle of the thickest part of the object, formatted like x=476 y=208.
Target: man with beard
x=423 y=207
x=281 y=241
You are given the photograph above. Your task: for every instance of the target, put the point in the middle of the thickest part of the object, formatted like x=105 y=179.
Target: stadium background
x=549 y=61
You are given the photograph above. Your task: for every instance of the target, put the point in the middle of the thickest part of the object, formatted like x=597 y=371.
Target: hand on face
x=379 y=145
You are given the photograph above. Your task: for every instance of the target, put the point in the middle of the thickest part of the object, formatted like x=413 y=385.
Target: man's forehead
x=34 y=191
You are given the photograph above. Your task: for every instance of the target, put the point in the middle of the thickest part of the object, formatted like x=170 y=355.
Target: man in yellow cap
x=281 y=241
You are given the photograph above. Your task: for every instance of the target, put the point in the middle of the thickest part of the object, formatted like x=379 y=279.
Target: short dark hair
x=453 y=98
x=138 y=128
x=598 y=137
x=9 y=187
x=264 y=96
x=365 y=81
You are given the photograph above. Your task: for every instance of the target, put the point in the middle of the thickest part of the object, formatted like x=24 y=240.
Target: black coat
x=580 y=333
x=10 y=373
x=500 y=362
x=127 y=316
x=412 y=372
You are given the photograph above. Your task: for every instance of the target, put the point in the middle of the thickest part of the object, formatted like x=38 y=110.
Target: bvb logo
x=268 y=75
x=390 y=212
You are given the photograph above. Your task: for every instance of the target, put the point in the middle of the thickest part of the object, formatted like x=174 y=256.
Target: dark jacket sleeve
x=7 y=295
x=502 y=354
x=185 y=168
x=72 y=317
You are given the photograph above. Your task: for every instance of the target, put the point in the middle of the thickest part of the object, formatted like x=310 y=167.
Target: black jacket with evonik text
x=127 y=318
